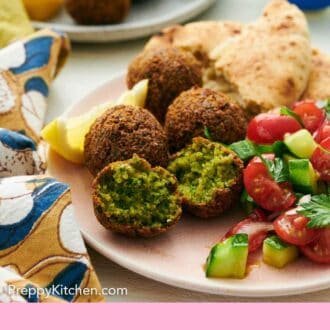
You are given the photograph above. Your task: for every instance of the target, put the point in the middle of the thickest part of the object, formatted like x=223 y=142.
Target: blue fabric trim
x=31 y=298
x=37 y=53
x=69 y=277
x=36 y=84
x=16 y=141
x=10 y=235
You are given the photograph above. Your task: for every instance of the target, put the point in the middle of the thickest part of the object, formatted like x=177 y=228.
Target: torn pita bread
x=269 y=63
x=198 y=38
x=318 y=87
x=280 y=17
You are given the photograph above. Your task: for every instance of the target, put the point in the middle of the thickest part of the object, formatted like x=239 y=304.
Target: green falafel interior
x=133 y=193
x=202 y=168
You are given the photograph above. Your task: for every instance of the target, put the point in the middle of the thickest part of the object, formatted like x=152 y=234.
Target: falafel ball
x=121 y=132
x=209 y=177
x=132 y=198
x=97 y=12
x=203 y=112
x=170 y=71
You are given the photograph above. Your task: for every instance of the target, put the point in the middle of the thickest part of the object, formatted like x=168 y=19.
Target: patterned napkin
x=40 y=242
x=19 y=155
x=42 y=255
x=26 y=70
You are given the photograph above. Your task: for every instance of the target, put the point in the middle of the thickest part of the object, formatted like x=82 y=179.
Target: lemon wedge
x=136 y=96
x=66 y=135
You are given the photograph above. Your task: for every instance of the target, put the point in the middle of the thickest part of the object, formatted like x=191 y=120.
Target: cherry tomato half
x=291 y=227
x=319 y=250
x=255 y=226
x=323 y=132
x=266 y=128
x=267 y=193
x=321 y=160
x=311 y=115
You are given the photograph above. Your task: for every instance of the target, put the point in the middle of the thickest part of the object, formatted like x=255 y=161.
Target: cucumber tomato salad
x=286 y=191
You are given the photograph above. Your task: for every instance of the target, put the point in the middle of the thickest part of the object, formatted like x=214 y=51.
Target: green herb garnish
x=207 y=133
x=317 y=210
x=278 y=169
x=288 y=112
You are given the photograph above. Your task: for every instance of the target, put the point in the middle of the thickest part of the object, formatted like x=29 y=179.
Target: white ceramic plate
x=177 y=257
x=146 y=17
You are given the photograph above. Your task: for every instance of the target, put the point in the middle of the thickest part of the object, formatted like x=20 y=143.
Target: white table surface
x=90 y=66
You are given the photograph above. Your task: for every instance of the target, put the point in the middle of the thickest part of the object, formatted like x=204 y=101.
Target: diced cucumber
x=228 y=259
x=244 y=149
x=278 y=253
x=303 y=176
x=301 y=143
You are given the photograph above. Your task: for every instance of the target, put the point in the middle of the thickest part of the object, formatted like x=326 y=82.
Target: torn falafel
x=170 y=71
x=121 y=132
x=209 y=177
x=200 y=112
x=132 y=198
x=98 y=12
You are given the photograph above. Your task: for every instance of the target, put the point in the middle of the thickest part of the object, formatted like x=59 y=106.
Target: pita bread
x=269 y=63
x=280 y=17
x=318 y=87
x=198 y=38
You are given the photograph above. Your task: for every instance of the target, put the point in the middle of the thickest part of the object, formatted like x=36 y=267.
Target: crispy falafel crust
x=96 y=12
x=170 y=71
x=129 y=229
x=223 y=199
x=198 y=109
x=121 y=132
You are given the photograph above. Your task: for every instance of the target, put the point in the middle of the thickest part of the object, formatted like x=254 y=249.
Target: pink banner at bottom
x=167 y=316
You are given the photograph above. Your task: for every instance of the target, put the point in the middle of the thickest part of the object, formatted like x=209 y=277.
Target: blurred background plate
x=145 y=18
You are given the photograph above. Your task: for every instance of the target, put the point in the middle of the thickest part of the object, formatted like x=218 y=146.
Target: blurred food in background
x=42 y=10
x=111 y=20
x=98 y=12
x=85 y=12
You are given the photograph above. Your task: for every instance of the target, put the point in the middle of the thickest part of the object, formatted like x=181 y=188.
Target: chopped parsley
x=288 y=112
x=278 y=169
x=207 y=133
x=317 y=210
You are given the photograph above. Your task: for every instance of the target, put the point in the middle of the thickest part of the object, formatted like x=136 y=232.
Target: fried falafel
x=132 y=198
x=201 y=111
x=170 y=71
x=98 y=12
x=199 y=38
x=122 y=131
x=209 y=177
